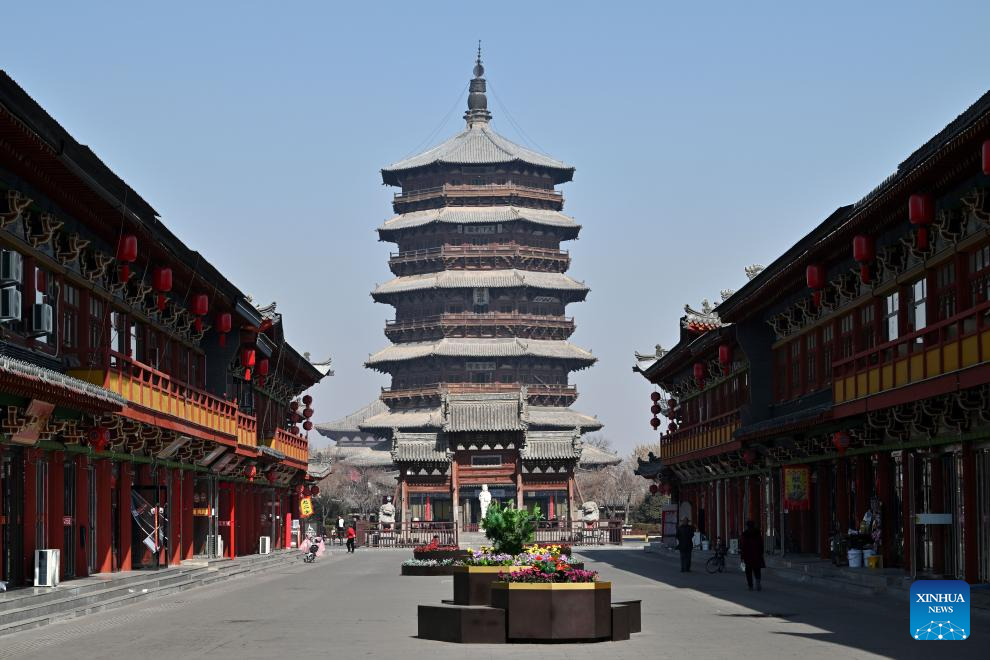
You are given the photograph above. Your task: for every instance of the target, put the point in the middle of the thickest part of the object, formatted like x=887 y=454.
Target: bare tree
x=615 y=487
x=360 y=490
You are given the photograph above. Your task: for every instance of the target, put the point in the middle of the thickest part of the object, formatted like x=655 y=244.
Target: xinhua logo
x=940 y=610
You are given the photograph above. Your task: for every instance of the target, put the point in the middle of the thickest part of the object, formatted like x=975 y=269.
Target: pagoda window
x=828 y=339
x=486 y=460
x=70 y=316
x=97 y=325
x=891 y=316
x=795 y=365
x=867 y=326
x=847 y=342
x=780 y=370
x=811 y=360
x=507 y=379
x=136 y=344
x=917 y=316
x=167 y=355
x=118 y=330
x=182 y=369
x=44 y=293
x=945 y=295
x=979 y=275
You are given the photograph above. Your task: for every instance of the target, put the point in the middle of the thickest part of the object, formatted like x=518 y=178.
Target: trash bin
x=855 y=558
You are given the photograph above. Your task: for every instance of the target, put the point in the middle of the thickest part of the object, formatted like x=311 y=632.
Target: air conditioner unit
x=46 y=568
x=265 y=545
x=10 y=304
x=214 y=544
x=11 y=267
x=41 y=319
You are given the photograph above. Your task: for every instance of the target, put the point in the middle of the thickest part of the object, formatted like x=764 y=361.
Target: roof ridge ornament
x=477 y=113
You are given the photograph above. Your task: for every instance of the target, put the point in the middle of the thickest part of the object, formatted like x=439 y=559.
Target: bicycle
x=716 y=563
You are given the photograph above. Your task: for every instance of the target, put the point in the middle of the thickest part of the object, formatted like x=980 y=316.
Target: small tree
x=510 y=529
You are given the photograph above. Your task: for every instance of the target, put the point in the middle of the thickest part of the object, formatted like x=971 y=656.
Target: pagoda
x=480 y=357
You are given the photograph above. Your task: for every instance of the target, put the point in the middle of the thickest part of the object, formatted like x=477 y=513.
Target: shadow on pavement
x=874 y=624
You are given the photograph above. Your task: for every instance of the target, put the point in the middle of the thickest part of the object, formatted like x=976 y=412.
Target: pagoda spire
x=477 y=112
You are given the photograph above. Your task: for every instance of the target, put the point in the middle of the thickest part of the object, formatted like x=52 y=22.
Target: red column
x=124 y=481
x=842 y=494
x=81 y=527
x=30 y=512
x=177 y=530
x=938 y=506
x=104 y=556
x=824 y=512
x=885 y=492
x=233 y=520
x=862 y=487
x=970 y=559
x=56 y=507
x=907 y=515
x=188 y=485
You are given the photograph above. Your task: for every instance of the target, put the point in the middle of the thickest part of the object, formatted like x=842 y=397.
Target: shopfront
x=205 y=520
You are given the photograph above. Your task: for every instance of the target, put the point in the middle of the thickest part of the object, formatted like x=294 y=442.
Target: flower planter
x=422 y=571
x=473 y=584
x=555 y=611
x=440 y=554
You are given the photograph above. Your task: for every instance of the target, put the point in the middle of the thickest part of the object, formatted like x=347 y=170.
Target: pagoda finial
x=477 y=112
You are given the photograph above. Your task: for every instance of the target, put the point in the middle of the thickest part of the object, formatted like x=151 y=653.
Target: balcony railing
x=490 y=190
x=473 y=251
x=294 y=446
x=247 y=430
x=436 y=389
x=944 y=347
x=152 y=389
x=702 y=435
x=489 y=319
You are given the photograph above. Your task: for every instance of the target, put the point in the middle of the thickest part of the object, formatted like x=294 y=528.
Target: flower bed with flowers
x=433 y=550
x=546 y=564
x=426 y=567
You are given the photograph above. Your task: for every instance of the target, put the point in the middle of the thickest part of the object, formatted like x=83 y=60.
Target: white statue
x=589 y=512
x=386 y=513
x=485 y=498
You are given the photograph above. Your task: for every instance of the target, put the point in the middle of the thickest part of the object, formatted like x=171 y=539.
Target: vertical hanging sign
x=797 y=487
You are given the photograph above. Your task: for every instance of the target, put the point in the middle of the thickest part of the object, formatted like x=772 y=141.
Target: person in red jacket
x=751 y=553
x=350 y=538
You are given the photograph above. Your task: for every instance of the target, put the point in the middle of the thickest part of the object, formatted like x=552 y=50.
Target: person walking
x=350 y=538
x=685 y=543
x=751 y=553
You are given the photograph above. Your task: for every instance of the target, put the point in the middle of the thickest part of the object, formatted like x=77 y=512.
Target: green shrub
x=510 y=529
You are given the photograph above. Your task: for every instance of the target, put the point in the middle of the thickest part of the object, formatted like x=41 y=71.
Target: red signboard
x=797 y=487
x=66 y=521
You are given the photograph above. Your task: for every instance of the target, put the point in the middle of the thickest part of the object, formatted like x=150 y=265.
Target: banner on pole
x=797 y=488
x=305 y=507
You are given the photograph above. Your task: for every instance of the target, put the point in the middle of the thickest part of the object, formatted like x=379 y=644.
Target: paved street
x=359 y=606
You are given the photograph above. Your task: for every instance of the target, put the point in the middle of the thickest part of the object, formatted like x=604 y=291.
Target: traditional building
x=868 y=352
x=480 y=356
x=150 y=410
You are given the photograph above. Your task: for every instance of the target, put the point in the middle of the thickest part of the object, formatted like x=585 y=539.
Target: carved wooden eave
x=41 y=235
x=138 y=294
x=94 y=266
x=72 y=250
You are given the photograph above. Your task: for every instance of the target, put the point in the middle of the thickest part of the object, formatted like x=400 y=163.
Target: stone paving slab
x=353 y=606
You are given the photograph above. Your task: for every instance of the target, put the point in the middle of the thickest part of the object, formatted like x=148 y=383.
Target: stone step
x=62 y=604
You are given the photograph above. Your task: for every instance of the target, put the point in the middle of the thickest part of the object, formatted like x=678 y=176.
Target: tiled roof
x=418 y=447
x=429 y=418
x=471 y=215
x=485 y=412
x=550 y=445
x=362 y=456
x=319 y=469
x=31 y=380
x=470 y=279
x=594 y=457
x=561 y=418
x=351 y=422
x=482 y=347
x=477 y=145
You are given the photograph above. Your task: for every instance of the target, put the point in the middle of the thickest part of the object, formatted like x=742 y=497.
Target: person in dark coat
x=751 y=553
x=685 y=543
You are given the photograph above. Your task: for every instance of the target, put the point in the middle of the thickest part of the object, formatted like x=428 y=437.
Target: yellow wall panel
x=873 y=378
x=861 y=385
x=985 y=340
x=839 y=391
x=886 y=377
x=970 y=351
x=950 y=357
x=933 y=365
x=917 y=367
x=900 y=373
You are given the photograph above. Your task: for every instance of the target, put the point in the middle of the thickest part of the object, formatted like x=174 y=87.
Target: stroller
x=314 y=548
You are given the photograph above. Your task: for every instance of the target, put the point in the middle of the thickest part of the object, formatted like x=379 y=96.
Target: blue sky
x=706 y=136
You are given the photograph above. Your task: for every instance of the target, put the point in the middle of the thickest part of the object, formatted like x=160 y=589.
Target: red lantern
x=223 y=327
x=315 y=490
x=815 y=276
x=299 y=489
x=99 y=438
x=655 y=409
x=671 y=427
x=671 y=404
x=307 y=412
x=248 y=357
x=864 y=251
x=986 y=157
x=725 y=357
x=200 y=307
x=307 y=425
x=841 y=442
x=294 y=430
x=127 y=252
x=271 y=476
x=293 y=406
x=749 y=456
x=653 y=489
x=161 y=280
x=699 y=373
x=251 y=472
x=921 y=213
x=295 y=417
x=655 y=423
x=654 y=396
x=262 y=371
x=307 y=400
